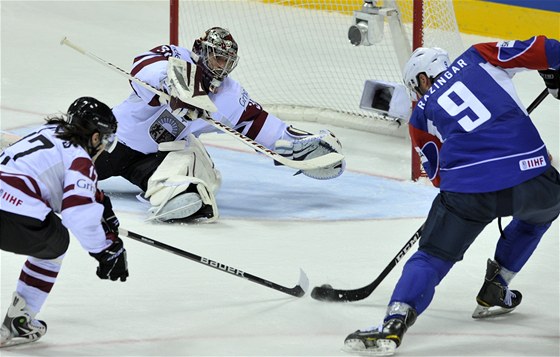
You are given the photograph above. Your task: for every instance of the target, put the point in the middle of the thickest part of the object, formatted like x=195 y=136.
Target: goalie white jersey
x=42 y=173
x=144 y=121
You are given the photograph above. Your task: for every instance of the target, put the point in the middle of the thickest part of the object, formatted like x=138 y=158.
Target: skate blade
x=382 y=348
x=16 y=341
x=482 y=312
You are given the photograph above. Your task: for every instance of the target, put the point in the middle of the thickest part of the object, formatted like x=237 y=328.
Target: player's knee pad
x=305 y=146
x=187 y=167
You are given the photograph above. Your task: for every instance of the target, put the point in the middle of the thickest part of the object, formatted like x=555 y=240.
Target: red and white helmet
x=217 y=51
x=431 y=61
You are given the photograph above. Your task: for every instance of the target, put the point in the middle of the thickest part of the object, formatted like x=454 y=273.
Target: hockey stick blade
x=298 y=291
x=316 y=163
x=328 y=293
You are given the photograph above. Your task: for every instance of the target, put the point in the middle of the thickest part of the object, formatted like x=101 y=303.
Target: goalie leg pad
x=184 y=183
x=312 y=146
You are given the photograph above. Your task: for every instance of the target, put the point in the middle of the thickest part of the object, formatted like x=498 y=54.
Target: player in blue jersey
x=479 y=145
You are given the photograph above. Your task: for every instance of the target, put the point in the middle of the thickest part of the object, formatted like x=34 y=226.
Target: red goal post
x=298 y=62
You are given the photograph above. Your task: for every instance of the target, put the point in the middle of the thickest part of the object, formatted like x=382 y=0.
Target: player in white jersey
x=46 y=173
x=180 y=180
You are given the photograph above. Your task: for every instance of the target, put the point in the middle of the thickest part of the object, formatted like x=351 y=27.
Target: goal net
x=297 y=61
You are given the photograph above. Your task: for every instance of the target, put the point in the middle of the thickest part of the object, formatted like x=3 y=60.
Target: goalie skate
x=180 y=207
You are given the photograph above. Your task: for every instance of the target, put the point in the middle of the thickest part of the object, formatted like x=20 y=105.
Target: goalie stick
x=298 y=291
x=326 y=292
x=204 y=102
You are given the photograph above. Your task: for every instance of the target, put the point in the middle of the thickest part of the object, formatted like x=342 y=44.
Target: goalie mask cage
x=296 y=60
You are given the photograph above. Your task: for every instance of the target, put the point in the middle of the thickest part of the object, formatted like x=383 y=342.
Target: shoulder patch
x=508 y=50
x=505 y=44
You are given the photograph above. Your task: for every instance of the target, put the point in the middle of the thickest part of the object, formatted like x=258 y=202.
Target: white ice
x=343 y=232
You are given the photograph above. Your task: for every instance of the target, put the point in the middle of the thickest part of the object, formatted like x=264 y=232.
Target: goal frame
x=417 y=41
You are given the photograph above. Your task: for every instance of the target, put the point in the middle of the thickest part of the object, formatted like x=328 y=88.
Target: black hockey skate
x=495 y=298
x=382 y=340
x=18 y=326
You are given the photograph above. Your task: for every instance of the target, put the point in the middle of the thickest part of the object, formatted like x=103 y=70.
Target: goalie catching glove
x=306 y=146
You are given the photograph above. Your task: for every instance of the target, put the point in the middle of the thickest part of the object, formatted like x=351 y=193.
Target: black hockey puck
x=324 y=292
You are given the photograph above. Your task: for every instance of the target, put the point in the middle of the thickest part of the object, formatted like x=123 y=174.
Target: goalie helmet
x=217 y=51
x=87 y=115
x=431 y=61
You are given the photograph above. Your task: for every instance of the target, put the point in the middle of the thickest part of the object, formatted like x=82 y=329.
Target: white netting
x=296 y=60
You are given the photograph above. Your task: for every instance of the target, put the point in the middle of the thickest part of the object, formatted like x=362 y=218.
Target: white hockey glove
x=551 y=79
x=312 y=146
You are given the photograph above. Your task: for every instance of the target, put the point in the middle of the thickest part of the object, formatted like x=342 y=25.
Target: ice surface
x=343 y=232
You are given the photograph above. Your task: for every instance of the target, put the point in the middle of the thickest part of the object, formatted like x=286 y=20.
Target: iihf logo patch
x=532 y=163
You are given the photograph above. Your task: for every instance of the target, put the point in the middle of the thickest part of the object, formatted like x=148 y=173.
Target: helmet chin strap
x=93 y=150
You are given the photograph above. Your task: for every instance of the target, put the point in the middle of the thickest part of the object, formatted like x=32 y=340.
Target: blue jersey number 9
x=469 y=101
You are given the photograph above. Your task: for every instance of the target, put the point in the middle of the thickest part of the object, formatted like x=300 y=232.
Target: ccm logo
x=532 y=163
